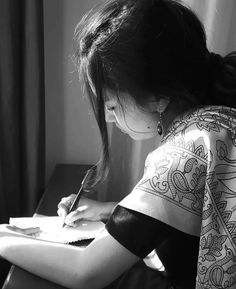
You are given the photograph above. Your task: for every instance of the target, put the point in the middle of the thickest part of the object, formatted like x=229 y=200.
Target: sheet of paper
x=51 y=228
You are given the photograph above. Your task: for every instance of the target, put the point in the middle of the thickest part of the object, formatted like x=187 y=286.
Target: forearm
x=58 y=263
x=107 y=211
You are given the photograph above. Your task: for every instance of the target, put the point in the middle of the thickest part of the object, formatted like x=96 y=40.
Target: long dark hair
x=156 y=46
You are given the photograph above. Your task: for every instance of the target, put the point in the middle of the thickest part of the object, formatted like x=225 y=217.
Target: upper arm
x=173 y=185
x=104 y=260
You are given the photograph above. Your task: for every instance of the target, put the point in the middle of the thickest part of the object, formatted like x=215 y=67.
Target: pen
x=78 y=195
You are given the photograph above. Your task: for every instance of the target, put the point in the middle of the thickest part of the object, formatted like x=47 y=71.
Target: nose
x=109 y=116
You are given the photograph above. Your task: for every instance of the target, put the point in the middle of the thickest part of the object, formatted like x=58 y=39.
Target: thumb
x=77 y=215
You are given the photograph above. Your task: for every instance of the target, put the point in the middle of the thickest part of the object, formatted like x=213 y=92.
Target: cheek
x=127 y=123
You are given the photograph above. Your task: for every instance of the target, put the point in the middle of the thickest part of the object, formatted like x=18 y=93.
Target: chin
x=140 y=137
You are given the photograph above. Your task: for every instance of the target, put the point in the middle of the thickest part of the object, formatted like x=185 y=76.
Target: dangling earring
x=161 y=106
x=159 y=124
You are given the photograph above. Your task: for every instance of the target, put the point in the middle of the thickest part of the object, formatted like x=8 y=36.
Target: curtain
x=21 y=110
x=22 y=152
x=128 y=156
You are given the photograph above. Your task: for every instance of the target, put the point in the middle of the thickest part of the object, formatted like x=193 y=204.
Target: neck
x=173 y=110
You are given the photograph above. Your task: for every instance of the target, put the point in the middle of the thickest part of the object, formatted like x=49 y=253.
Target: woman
x=146 y=67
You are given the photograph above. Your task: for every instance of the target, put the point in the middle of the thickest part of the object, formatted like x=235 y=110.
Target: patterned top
x=189 y=183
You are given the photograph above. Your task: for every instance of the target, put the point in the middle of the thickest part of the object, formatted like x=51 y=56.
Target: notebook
x=50 y=228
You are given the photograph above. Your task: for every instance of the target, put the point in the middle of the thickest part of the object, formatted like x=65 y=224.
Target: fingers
x=76 y=215
x=25 y=231
x=87 y=210
x=62 y=212
x=64 y=205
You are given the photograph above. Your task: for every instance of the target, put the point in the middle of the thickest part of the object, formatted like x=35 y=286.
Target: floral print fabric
x=190 y=183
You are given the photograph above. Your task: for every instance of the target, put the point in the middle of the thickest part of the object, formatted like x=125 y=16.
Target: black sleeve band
x=139 y=233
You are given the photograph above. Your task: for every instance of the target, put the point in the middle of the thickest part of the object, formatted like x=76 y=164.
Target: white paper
x=51 y=228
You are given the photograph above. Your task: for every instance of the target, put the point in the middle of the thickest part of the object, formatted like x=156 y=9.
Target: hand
x=88 y=209
x=8 y=231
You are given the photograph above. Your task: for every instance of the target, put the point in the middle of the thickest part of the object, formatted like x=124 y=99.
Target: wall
x=71 y=132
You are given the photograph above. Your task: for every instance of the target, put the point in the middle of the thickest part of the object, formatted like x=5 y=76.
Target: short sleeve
x=135 y=231
x=140 y=234
x=173 y=185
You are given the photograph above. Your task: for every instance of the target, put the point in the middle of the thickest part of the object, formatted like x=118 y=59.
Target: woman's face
x=138 y=122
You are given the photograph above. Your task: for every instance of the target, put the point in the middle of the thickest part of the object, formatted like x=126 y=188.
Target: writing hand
x=87 y=209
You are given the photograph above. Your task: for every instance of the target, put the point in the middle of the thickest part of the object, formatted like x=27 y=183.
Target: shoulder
x=207 y=120
x=197 y=134
x=194 y=139
x=175 y=174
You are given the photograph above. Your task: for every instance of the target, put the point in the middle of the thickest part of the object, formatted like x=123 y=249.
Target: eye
x=110 y=108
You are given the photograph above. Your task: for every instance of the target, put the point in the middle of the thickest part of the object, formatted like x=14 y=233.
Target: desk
x=65 y=180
